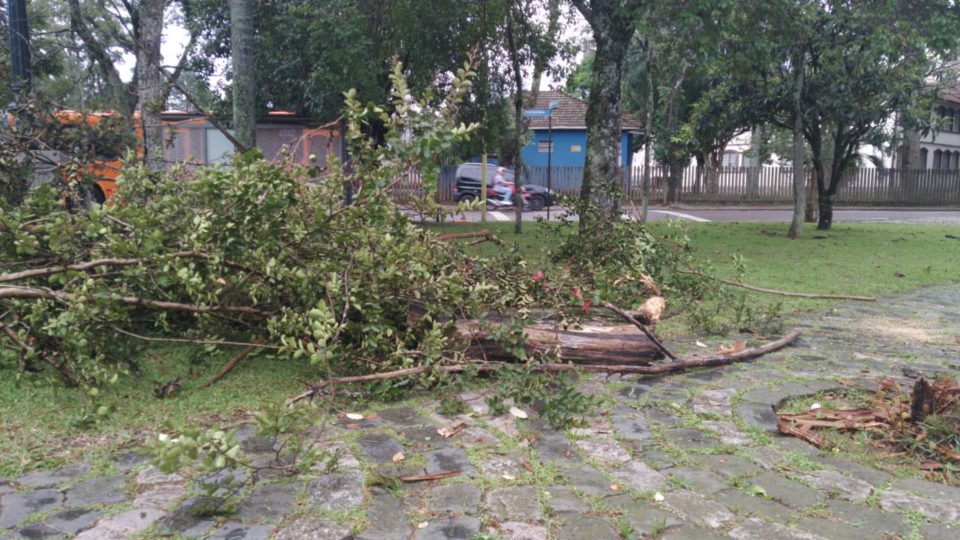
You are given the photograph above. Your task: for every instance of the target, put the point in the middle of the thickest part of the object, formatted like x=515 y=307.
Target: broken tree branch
x=643 y=328
x=699 y=361
x=814 y=296
x=232 y=363
x=194 y=341
x=484 y=235
x=96 y=263
x=15 y=291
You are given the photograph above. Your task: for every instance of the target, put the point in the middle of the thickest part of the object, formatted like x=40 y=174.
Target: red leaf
x=586 y=306
x=538 y=276
x=576 y=292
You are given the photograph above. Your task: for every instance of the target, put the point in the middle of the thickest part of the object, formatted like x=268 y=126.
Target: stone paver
x=338 y=491
x=239 y=531
x=460 y=528
x=387 y=519
x=448 y=460
x=269 y=502
x=696 y=508
x=678 y=457
x=121 y=526
x=587 y=528
x=46 y=479
x=16 y=508
x=105 y=490
x=311 y=528
x=514 y=503
x=455 y=498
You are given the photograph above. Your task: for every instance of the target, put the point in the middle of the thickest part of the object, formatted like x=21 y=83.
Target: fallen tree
x=264 y=255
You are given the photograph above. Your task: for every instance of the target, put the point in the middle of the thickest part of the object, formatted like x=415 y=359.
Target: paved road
x=769 y=214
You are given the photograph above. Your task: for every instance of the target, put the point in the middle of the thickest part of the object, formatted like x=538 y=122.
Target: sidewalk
x=694 y=456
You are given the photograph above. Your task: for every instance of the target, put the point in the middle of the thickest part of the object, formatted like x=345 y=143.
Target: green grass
x=851 y=259
x=38 y=422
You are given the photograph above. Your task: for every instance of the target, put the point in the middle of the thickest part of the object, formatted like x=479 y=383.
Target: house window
x=924 y=154
x=731 y=159
x=544 y=146
x=937 y=159
x=956 y=120
x=947 y=115
x=955 y=160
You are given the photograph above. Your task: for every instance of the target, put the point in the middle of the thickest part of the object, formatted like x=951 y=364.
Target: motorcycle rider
x=502 y=186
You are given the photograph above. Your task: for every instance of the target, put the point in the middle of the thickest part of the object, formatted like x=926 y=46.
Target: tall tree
x=244 y=87
x=613 y=23
x=105 y=31
x=151 y=89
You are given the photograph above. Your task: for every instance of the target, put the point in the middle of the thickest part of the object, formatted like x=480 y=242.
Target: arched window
x=955 y=160
x=937 y=159
x=924 y=155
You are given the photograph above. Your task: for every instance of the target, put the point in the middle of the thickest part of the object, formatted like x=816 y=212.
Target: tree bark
x=648 y=145
x=612 y=23
x=799 y=178
x=151 y=88
x=590 y=345
x=674 y=180
x=244 y=72
x=519 y=124
x=825 y=215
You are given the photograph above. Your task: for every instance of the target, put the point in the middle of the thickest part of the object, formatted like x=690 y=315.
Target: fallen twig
x=232 y=363
x=815 y=296
x=659 y=369
x=428 y=477
x=484 y=235
x=195 y=341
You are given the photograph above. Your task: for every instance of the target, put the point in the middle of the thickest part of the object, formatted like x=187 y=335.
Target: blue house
x=570 y=133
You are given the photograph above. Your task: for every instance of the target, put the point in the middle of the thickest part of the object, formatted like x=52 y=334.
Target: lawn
x=39 y=423
x=851 y=259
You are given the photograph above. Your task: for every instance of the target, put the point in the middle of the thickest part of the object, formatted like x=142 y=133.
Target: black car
x=468 y=177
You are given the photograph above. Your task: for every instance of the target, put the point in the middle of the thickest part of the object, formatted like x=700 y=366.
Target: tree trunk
x=519 y=124
x=799 y=178
x=825 y=213
x=151 y=86
x=712 y=173
x=244 y=85
x=674 y=180
x=607 y=345
x=753 y=171
x=613 y=27
x=648 y=142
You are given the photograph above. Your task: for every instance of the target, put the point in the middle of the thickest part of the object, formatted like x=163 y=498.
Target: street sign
x=537 y=113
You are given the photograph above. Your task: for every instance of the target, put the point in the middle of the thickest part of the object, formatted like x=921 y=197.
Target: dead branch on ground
x=697 y=361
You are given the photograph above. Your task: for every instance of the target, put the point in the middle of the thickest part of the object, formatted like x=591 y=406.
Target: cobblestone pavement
x=687 y=456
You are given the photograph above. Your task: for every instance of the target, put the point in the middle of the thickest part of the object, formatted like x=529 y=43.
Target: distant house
x=190 y=138
x=940 y=150
x=570 y=133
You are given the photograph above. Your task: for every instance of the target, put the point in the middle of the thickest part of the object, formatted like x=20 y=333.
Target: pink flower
x=576 y=292
x=538 y=276
x=586 y=306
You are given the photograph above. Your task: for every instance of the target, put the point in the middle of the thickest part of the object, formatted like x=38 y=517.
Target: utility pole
x=19 y=52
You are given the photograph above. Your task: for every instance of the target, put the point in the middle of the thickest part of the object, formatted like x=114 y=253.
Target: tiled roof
x=571 y=112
